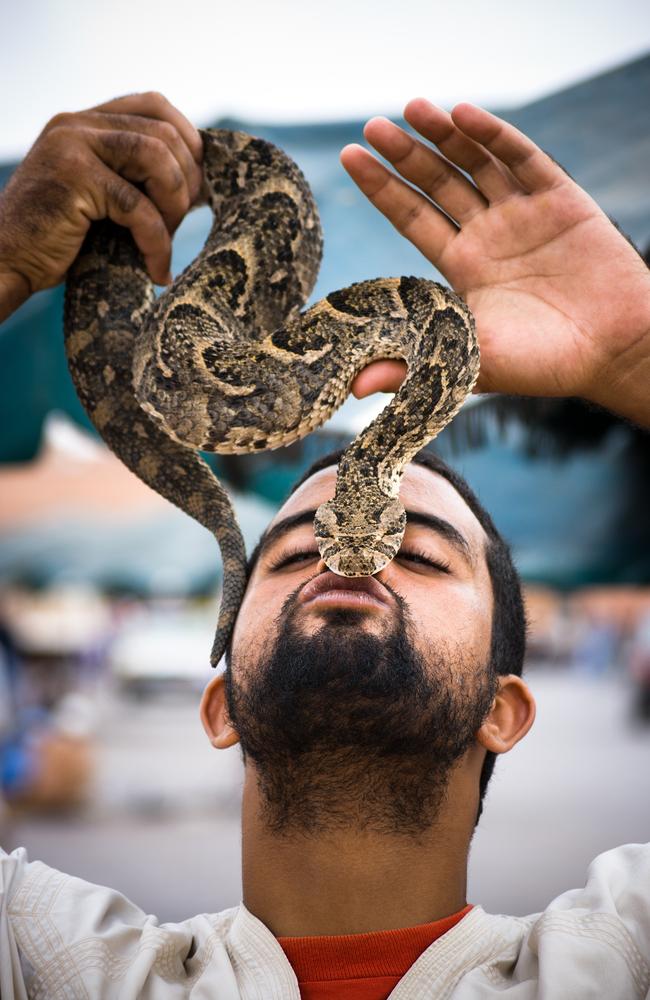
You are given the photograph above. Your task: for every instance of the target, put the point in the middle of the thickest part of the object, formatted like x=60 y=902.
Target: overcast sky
x=300 y=61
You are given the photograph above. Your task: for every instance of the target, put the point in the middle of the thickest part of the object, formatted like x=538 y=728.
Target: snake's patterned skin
x=224 y=361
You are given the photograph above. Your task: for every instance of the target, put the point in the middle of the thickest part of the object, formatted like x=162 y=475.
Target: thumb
x=380 y=376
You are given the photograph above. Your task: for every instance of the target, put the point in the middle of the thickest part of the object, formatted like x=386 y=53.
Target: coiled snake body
x=224 y=361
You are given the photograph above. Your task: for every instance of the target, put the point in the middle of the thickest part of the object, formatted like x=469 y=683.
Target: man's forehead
x=421 y=489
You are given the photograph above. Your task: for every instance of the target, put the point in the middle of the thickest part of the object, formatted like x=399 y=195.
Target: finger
x=135 y=124
x=125 y=205
x=532 y=167
x=436 y=125
x=161 y=130
x=149 y=161
x=421 y=166
x=411 y=213
x=380 y=376
x=154 y=105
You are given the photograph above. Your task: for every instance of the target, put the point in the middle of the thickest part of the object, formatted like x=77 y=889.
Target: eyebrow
x=430 y=521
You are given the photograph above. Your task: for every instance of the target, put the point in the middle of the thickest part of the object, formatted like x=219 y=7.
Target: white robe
x=65 y=939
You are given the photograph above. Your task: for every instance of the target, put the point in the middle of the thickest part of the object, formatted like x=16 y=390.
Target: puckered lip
x=334 y=589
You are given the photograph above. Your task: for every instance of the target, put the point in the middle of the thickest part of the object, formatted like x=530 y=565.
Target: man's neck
x=351 y=882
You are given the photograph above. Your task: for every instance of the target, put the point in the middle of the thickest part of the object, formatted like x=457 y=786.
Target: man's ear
x=511 y=716
x=214 y=715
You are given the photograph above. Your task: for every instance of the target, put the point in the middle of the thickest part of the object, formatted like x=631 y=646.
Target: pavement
x=163 y=824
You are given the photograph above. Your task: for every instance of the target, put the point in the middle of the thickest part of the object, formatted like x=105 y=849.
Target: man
x=369 y=710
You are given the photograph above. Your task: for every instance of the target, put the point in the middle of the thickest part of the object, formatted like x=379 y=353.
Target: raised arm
x=561 y=299
x=134 y=160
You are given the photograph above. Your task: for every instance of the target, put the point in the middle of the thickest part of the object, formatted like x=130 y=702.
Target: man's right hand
x=84 y=167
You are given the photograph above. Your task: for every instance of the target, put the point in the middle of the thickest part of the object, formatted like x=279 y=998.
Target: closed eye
x=301 y=555
x=304 y=555
x=421 y=559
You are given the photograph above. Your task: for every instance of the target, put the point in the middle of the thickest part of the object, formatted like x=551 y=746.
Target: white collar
x=263 y=970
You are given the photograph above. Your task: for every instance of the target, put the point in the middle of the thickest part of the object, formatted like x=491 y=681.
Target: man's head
x=359 y=707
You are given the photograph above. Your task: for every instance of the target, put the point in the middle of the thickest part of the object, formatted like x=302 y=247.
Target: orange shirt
x=360 y=966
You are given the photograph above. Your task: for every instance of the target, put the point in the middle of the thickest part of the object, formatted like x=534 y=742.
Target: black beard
x=347 y=729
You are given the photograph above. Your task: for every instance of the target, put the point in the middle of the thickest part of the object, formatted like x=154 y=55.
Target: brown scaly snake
x=224 y=361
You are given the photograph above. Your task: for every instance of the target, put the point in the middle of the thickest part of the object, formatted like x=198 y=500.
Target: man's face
x=359 y=701
x=453 y=604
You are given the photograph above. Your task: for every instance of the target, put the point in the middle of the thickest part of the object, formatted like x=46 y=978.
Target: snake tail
x=108 y=294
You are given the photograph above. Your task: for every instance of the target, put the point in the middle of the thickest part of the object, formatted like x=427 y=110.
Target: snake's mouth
x=360 y=590
x=356 y=557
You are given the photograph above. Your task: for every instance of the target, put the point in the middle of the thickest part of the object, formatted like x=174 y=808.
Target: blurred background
x=109 y=595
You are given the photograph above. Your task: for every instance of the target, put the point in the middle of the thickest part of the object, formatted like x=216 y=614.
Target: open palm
x=558 y=294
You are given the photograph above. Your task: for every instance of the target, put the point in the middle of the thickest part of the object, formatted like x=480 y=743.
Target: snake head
x=359 y=541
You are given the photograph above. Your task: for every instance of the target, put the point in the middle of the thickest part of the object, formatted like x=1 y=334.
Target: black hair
x=508 y=641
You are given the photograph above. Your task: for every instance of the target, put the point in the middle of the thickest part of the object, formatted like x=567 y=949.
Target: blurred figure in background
x=42 y=767
x=639 y=667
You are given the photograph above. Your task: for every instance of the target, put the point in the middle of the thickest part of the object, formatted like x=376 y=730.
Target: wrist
x=14 y=290
x=623 y=385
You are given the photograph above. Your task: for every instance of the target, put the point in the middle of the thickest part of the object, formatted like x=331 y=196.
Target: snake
x=227 y=360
